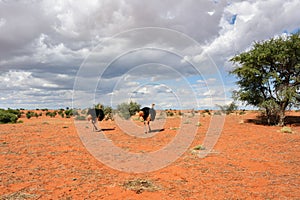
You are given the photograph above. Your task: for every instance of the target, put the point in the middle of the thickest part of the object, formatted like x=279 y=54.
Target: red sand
x=44 y=158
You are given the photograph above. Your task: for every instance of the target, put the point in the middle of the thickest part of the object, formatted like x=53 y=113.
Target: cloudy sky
x=63 y=53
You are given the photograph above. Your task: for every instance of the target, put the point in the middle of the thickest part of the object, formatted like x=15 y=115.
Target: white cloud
x=44 y=43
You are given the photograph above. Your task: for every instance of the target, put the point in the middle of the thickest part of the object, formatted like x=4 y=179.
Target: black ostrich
x=94 y=114
x=148 y=115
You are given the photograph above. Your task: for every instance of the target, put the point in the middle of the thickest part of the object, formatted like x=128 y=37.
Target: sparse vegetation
x=187 y=122
x=199 y=147
x=206 y=111
x=169 y=113
x=140 y=185
x=51 y=114
x=242 y=112
x=79 y=117
x=69 y=112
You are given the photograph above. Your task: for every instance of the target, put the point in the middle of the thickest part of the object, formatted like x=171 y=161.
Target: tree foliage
x=269 y=76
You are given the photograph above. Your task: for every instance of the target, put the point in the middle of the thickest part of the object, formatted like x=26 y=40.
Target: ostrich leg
x=145 y=127
x=95 y=127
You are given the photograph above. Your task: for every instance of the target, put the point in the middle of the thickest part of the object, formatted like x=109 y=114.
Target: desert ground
x=45 y=158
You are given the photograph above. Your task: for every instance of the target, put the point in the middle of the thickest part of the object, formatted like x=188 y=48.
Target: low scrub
x=126 y=110
x=7 y=116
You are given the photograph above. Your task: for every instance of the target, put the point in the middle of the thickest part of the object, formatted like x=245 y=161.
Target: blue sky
x=58 y=54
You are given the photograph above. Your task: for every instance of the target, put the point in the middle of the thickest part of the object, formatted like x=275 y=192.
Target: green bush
x=16 y=112
x=51 y=114
x=108 y=112
x=227 y=109
x=29 y=114
x=7 y=117
x=70 y=112
x=199 y=147
x=170 y=114
x=126 y=110
x=78 y=117
x=206 y=111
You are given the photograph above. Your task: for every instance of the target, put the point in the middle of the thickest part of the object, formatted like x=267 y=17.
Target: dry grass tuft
x=140 y=185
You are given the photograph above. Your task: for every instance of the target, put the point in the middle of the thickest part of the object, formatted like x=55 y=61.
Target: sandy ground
x=45 y=158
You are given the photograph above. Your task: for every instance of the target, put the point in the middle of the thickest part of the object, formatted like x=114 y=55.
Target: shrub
x=170 y=114
x=51 y=114
x=206 y=111
x=68 y=113
x=242 y=112
x=126 y=110
x=227 y=109
x=108 y=112
x=60 y=111
x=199 y=147
x=7 y=117
x=29 y=114
x=16 y=112
x=218 y=113
x=78 y=117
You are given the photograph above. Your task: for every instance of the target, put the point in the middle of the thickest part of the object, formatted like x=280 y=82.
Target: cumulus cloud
x=48 y=47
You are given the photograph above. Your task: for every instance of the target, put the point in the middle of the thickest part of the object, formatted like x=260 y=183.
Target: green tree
x=269 y=76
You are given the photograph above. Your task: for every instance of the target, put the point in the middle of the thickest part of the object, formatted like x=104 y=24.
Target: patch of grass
x=199 y=147
x=140 y=185
x=79 y=117
x=19 y=195
x=242 y=112
x=45 y=123
x=137 y=119
x=218 y=113
x=286 y=129
x=174 y=128
x=198 y=124
x=187 y=122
